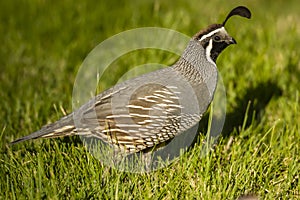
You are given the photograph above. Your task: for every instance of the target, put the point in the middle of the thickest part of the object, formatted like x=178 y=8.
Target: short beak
x=232 y=41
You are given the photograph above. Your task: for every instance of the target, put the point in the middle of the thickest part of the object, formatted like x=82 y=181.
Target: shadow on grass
x=255 y=100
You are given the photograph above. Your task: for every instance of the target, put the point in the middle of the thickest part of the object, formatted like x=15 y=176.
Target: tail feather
x=63 y=127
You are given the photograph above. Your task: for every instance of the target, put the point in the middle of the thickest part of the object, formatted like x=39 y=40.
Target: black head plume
x=241 y=11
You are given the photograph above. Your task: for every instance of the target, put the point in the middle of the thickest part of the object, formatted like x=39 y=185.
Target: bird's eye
x=217 y=38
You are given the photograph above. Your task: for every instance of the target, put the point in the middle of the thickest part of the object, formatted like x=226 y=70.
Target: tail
x=63 y=127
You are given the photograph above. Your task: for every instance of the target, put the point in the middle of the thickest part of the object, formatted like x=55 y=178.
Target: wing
x=139 y=114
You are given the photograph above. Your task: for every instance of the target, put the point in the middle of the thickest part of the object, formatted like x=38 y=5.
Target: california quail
x=151 y=109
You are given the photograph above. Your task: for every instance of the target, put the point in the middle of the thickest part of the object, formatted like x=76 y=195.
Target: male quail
x=151 y=109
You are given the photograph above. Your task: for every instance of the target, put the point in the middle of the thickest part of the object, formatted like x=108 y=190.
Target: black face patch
x=217 y=48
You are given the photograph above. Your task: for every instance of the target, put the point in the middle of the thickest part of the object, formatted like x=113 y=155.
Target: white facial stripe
x=213 y=32
x=208 y=49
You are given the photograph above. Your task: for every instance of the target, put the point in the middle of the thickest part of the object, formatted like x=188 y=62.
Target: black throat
x=217 y=48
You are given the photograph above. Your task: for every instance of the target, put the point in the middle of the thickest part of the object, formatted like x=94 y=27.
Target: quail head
x=143 y=112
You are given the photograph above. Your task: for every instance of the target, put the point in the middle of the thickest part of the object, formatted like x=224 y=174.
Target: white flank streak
x=211 y=33
x=162 y=104
x=171 y=110
x=132 y=147
x=149 y=100
x=114 y=129
x=127 y=138
x=156 y=125
x=139 y=107
x=159 y=95
x=104 y=97
x=133 y=131
x=111 y=94
x=160 y=120
x=49 y=134
x=174 y=97
x=122 y=142
x=168 y=101
x=158 y=117
x=62 y=129
x=175 y=106
x=143 y=129
x=164 y=91
x=150 y=96
x=145 y=122
x=139 y=115
x=171 y=87
x=148 y=121
x=150 y=143
x=208 y=50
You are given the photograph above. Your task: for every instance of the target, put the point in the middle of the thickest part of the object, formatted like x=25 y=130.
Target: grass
x=43 y=44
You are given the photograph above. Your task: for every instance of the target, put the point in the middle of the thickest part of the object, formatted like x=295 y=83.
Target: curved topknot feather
x=241 y=11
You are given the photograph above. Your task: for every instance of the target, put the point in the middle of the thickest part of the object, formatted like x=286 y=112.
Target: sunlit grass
x=42 y=47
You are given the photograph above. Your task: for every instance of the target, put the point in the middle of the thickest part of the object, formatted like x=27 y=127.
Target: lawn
x=43 y=45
